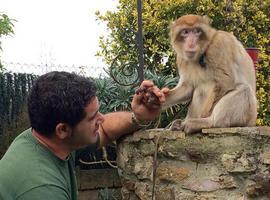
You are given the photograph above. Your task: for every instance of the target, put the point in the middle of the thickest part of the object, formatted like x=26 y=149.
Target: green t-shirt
x=29 y=171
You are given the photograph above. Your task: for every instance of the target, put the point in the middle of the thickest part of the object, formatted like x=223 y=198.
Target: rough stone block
x=172 y=173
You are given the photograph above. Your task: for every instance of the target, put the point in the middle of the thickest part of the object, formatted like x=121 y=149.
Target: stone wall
x=219 y=164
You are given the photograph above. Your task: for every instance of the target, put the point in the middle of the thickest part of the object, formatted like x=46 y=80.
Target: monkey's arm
x=180 y=94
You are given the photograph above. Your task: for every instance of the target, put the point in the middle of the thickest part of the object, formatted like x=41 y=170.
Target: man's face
x=86 y=131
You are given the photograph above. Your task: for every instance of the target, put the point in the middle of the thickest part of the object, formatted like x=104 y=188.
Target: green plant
x=12 y=130
x=6 y=28
x=13 y=92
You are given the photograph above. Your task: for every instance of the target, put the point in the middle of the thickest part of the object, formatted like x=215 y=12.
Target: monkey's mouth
x=190 y=54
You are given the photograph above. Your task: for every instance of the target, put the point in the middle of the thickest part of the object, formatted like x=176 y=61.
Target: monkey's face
x=188 y=36
x=187 y=42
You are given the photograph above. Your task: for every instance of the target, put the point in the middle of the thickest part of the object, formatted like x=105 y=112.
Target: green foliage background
x=247 y=19
x=13 y=92
x=13 y=115
x=6 y=28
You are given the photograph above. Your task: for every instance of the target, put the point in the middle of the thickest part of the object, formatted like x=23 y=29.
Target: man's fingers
x=147 y=87
x=147 y=83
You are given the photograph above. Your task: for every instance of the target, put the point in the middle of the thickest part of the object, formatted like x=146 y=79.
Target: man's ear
x=62 y=130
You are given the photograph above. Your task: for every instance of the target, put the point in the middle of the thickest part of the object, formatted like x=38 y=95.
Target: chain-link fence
x=89 y=71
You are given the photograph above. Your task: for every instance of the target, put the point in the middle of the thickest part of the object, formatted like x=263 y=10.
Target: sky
x=60 y=32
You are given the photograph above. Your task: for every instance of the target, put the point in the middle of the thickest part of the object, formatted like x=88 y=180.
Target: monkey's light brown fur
x=221 y=91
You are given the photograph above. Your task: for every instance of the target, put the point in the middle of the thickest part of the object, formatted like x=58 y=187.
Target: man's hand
x=146 y=103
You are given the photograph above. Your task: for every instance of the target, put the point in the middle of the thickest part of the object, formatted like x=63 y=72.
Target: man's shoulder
x=20 y=151
x=23 y=137
x=27 y=165
x=18 y=177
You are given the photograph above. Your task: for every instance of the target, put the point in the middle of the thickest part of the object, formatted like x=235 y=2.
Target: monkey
x=216 y=74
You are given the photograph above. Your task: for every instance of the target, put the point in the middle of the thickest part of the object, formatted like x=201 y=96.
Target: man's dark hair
x=59 y=97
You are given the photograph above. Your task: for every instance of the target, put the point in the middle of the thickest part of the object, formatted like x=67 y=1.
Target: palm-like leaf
x=115 y=97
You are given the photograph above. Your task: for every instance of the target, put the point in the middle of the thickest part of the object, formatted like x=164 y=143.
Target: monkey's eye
x=184 y=33
x=197 y=31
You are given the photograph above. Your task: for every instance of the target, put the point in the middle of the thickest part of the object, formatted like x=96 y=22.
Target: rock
x=128 y=184
x=262 y=181
x=143 y=190
x=143 y=168
x=205 y=185
x=166 y=193
x=220 y=131
x=172 y=173
x=238 y=163
x=264 y=130
x=147 y=148
x=227 y=182
x=127 y=195
x=253 y=189
x=265 y=156
x=154 y=133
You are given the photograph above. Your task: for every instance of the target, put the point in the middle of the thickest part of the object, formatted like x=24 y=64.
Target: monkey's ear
x=171 y=24
x=207 y=20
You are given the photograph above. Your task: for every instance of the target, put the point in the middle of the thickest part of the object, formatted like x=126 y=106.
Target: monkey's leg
x=237 y=108
x=193 y=125
x=190 y=125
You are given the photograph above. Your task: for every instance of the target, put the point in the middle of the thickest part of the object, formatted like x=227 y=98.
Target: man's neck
x=56 y=146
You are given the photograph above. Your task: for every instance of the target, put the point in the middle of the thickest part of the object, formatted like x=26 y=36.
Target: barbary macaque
x=217 y=77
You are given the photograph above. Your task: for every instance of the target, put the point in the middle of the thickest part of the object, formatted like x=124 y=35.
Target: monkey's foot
x=176 y=125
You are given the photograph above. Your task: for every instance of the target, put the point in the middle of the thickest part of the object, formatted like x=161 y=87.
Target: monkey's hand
x=165 y=91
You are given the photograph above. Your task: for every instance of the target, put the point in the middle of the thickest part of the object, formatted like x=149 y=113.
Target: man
x=64 y=116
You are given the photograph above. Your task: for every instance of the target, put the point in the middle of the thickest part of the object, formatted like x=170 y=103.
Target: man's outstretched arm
x=120 y=123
